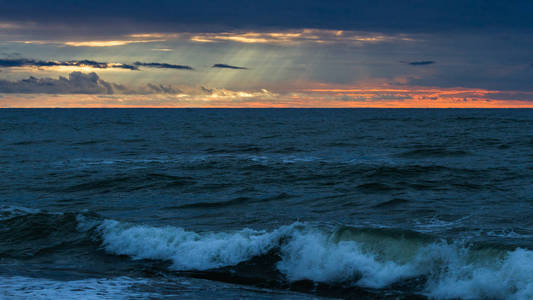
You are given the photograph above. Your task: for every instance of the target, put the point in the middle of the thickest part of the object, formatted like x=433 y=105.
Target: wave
x=10 y=211
x=280 y=157
x=131 y=182
x=232 y=202
x=432 y=152
x=187 y=250
x=366 y=258
x=374 y=187
x=32 y=142
x=391 y=203
x=342 y=257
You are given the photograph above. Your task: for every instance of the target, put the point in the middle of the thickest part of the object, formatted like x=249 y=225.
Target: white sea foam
x=433 y=224
x=187 y=250
x=85 y=223
x=18 y=287
x=10 y=211
x=510 y=277
x=315 y=256
x=508 y=233
x=453 y=270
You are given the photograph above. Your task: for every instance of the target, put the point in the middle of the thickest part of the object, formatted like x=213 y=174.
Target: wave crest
x=389 y=259
x=187 y=250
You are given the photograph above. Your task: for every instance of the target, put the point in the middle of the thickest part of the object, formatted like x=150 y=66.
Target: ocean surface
x=266 y=203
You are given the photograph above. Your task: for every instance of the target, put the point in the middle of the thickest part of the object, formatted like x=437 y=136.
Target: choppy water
x=287 y=204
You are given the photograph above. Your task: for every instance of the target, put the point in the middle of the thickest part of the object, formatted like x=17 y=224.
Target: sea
x=266 y=203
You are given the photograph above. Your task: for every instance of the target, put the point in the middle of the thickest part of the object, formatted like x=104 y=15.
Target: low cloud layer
x=219 y=97
x=224 y=66
x=163 y=66
x=76 y=83
x=25 y=62
x=79 y=83
x=421 y=63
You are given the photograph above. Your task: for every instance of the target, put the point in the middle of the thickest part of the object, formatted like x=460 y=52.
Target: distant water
x=261 y=204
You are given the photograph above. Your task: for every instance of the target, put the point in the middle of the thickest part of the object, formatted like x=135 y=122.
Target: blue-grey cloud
x=79 y=83
x=385 y=15
x=224 y=66
x=162 y=89
x=205 y=90
x=76 y=83
x=24 y=62
x=421 y=63
x=163 y=66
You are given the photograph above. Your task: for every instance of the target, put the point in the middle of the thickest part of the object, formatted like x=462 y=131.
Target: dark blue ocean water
x=266 y=203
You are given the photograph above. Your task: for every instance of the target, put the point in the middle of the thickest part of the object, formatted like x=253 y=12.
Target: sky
x=372 y=53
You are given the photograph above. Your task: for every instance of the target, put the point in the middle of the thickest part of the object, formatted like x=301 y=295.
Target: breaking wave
x=367 y=258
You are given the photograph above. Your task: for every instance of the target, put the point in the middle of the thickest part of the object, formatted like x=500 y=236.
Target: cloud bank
x=421 y=63
x=79 y=83
x=224 y=66
x=25 y=62
x=163 y=66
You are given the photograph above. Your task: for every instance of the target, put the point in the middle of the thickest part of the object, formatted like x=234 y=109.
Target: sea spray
x=344 y=256
x=452 y=270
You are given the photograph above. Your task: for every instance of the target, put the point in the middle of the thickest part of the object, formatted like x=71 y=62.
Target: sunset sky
x=469 y=53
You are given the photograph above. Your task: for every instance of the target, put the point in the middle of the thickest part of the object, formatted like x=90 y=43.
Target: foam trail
x=18 y=287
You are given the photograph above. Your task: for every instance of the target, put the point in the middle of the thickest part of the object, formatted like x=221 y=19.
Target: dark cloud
x=224 y=66
x=163 y=89
x=24 y=62
x=205 y=90
x=162 y=66
x=169 y=15
x=76 y=83
x=79 y=83
x=421 y=63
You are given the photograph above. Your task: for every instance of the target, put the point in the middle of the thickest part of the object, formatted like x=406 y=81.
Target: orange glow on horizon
x=391 y=90
x=241 y=99
x=369 y=95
